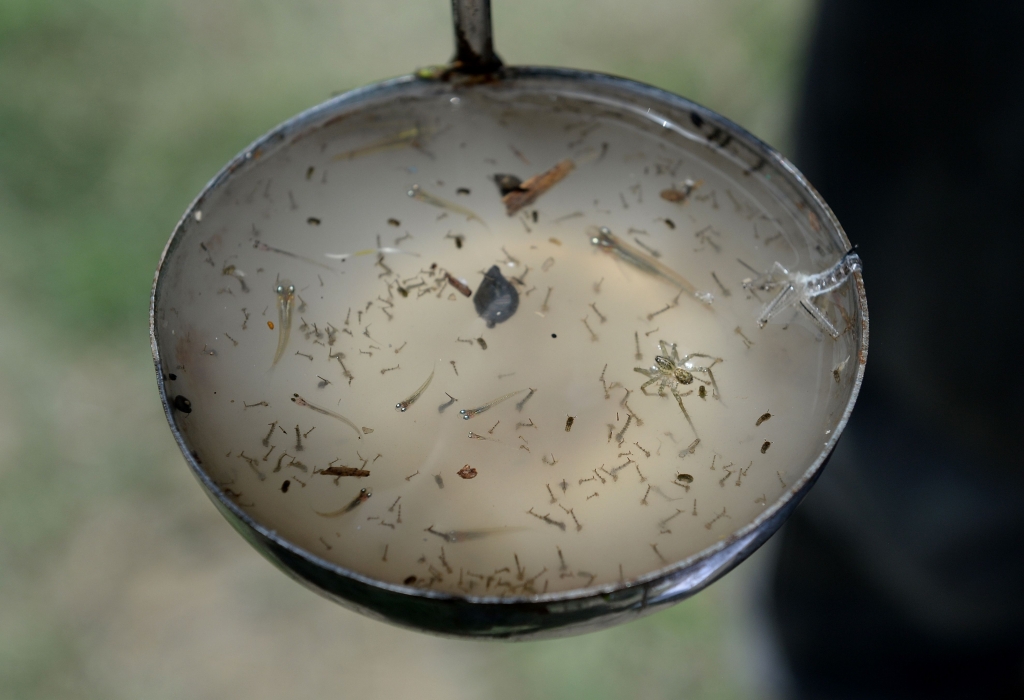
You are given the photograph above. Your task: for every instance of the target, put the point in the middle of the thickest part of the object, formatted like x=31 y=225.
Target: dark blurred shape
x=496 y=300
x=902 y=574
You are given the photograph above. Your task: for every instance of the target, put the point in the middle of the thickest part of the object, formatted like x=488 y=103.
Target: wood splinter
x=518 y=195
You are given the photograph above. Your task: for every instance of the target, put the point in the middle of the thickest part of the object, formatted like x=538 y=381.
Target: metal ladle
x=476 y=66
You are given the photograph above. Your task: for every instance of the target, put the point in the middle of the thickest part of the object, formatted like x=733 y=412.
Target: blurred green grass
x=117 y=578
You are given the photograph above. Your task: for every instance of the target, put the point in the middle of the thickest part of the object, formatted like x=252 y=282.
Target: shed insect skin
x=593 y=335
x=547 y=297
x=801 y=289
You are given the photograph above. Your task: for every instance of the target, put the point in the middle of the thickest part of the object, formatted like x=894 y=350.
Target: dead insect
x=467 y=472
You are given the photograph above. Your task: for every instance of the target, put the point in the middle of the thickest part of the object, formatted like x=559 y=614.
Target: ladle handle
x=474 y=42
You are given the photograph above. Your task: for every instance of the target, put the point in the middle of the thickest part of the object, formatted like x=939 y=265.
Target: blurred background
x=118 y=579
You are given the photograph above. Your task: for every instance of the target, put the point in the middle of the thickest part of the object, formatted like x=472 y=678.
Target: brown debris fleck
x=344 y=471
x=467 y=472
x=459 y=284
x=529 y=190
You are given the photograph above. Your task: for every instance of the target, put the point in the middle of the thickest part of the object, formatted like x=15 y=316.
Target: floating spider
x=669 y=370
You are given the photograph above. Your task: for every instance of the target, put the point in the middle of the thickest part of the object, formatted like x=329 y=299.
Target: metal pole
x=474 y=43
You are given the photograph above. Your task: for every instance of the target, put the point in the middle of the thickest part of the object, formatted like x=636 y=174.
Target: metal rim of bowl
x=541 y=615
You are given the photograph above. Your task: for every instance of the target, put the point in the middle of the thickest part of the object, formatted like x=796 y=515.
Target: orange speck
x=270 y=325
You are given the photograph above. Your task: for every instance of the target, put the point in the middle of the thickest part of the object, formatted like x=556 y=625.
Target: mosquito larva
x=363 y=497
